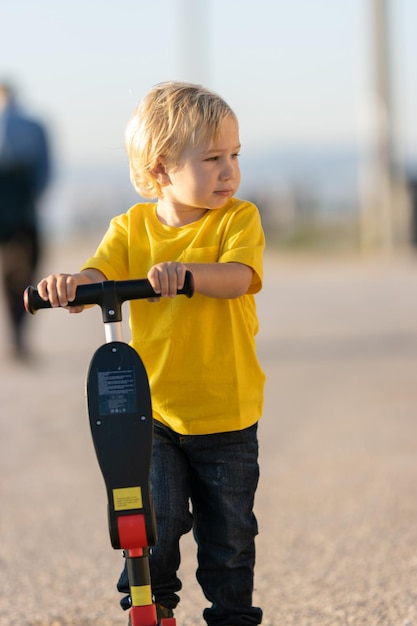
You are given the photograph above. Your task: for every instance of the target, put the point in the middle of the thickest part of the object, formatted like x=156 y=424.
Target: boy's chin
x=220 y=204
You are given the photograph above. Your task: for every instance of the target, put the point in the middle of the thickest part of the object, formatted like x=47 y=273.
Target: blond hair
x=170 y=118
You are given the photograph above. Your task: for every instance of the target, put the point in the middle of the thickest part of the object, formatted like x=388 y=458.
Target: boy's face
x=207 y=175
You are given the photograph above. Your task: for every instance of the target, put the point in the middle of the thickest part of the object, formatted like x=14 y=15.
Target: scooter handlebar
x=102 y=293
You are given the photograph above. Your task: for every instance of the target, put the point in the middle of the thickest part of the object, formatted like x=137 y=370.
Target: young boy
x=206 y=382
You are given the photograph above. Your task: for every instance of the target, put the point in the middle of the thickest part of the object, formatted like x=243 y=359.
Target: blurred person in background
x=24 y=175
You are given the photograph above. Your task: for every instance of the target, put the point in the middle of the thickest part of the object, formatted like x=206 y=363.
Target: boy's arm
x=221 y=280
x=215 y=280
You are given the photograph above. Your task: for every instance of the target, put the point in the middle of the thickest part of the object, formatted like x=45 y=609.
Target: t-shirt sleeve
x=111 y=256
x=244 y=242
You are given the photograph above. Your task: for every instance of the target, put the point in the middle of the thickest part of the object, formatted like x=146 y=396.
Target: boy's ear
x=160 y=173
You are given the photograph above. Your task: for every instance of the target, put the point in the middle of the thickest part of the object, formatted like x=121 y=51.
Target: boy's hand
x=60 y=290
x=166 y=279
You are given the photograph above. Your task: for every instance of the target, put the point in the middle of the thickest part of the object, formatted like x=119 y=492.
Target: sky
x=299 y=74
x=296 y=73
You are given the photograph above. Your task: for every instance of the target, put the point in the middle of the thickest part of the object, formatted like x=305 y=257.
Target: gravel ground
x=337 y=502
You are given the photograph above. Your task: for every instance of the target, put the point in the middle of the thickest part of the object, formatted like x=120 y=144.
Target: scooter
x=120 y=414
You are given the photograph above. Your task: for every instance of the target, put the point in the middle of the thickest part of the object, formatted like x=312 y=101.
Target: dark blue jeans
x=218 y=474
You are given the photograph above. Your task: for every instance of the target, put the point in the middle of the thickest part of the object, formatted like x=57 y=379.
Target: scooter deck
x=120 y=413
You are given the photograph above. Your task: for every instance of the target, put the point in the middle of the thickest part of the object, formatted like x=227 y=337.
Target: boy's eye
x=216 y=158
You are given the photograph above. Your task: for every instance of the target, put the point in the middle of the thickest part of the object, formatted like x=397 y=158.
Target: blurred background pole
x=384 y=221
x=384 y=125
x=193 y=44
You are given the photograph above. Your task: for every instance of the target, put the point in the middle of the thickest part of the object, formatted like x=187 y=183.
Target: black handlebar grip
x=32 y=300
x=98 y=293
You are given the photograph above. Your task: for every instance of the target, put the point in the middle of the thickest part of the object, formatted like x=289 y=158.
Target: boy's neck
x=178 y=216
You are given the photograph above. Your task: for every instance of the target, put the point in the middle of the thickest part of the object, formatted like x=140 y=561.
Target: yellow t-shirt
x=199 y=353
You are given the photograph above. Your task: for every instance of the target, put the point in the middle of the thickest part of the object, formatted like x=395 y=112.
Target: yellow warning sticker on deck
x=127 y=498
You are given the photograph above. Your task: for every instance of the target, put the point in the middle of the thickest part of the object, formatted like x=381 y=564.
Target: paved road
x=337 y=504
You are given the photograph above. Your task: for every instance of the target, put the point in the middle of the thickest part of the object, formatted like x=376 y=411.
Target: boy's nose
x=229 y=171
